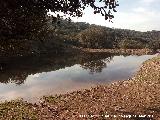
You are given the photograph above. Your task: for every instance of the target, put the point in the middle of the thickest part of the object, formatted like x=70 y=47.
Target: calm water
x=31 y=78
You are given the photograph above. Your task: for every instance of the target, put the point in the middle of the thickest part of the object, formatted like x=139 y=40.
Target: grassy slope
x=133 y=97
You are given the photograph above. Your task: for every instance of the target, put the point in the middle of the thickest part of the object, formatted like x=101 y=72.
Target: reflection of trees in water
x=94 y=66
x=17 y=70
x=11 y=74
x=17 y=78
x=96 y=62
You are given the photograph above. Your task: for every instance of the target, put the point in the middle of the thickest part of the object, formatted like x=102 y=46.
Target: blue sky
x=141 y=15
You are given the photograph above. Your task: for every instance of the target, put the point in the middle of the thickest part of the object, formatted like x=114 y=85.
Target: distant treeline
x=84 y=35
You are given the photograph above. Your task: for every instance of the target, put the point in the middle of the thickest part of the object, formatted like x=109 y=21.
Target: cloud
x=138 y=19
x=140 y=9
x=148 y=1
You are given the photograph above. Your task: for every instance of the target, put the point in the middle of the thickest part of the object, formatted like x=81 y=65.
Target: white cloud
x=140 y=9
x=138 y=19
x=148 y=1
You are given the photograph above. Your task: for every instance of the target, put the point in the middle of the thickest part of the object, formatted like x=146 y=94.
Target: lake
x=31 y=78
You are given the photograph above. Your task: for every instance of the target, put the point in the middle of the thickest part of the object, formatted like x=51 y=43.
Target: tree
x=25 y=17
x=95 y=37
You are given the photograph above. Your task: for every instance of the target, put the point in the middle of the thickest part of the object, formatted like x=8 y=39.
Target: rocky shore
x=135 y=99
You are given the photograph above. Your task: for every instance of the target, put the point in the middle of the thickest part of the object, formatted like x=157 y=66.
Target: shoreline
x=74 y=50
x=138 y=96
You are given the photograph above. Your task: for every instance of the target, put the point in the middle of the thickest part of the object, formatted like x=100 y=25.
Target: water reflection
x=31 y=78
x=94 y=66
x=16 y=70
x=96 y=63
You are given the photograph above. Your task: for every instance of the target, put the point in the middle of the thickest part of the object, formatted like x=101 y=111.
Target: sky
x=140 y=15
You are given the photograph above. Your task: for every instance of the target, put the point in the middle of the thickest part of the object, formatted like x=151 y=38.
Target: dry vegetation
x=138 y=96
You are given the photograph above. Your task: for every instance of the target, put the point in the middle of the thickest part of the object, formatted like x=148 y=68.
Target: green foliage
x=20 y=19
